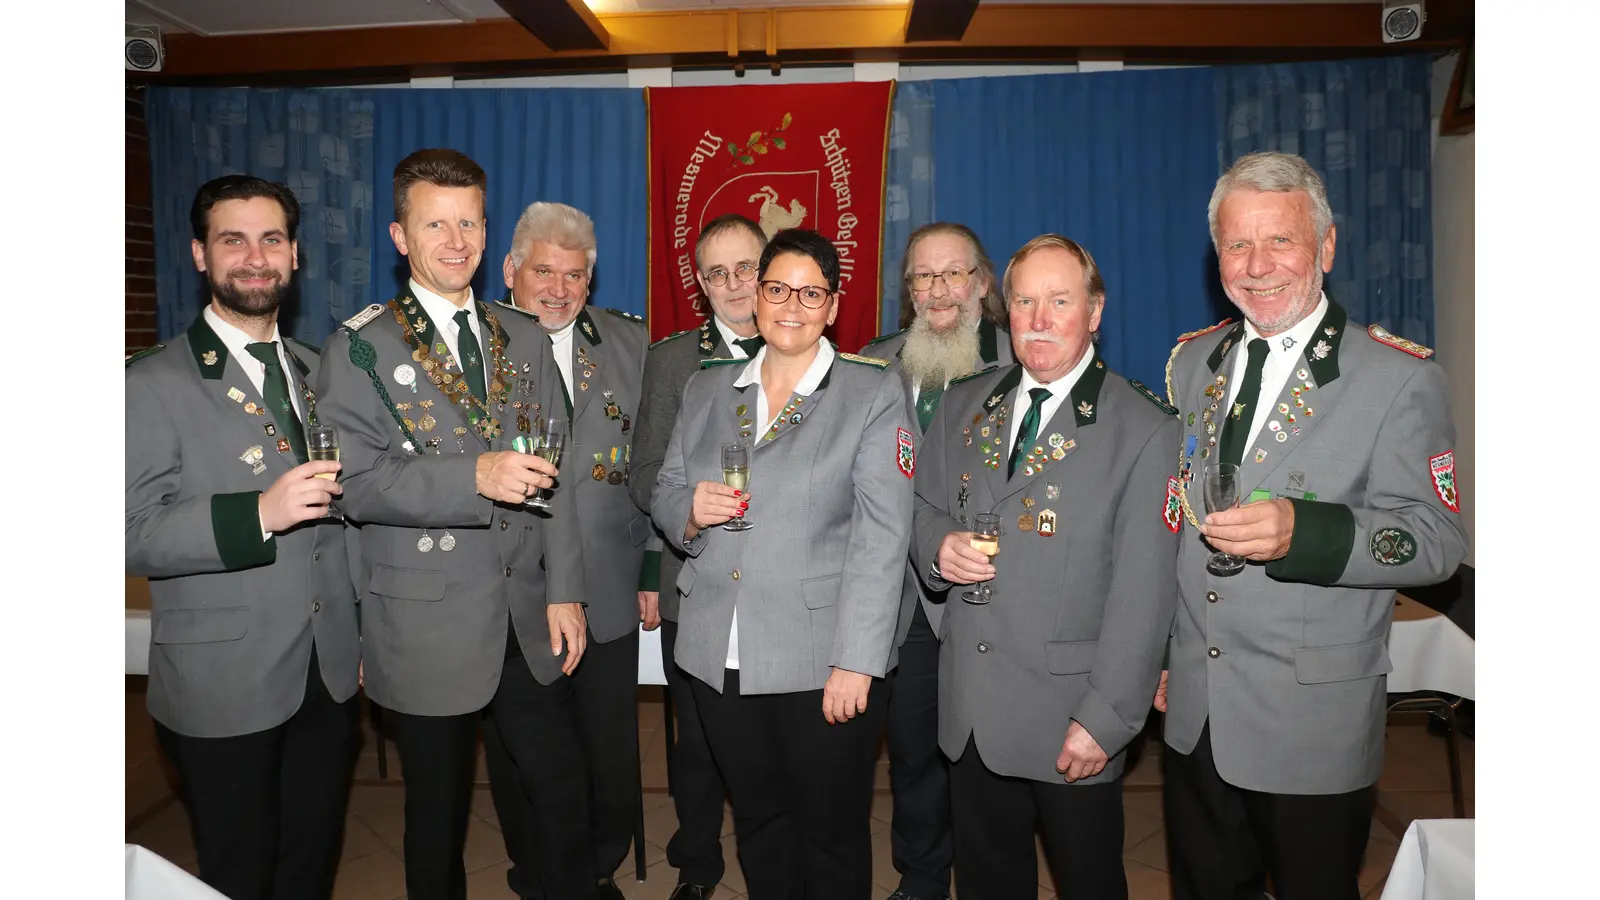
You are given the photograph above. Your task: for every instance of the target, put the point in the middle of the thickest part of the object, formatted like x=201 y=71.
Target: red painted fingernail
x=738 y=493
x=744 y=505
x=741 y=512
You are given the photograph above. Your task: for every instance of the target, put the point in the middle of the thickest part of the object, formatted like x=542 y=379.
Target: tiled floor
x=1415 y=784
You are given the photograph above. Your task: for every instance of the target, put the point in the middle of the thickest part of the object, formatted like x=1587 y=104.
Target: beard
x=254 y=302
x=931 y=355
x=1291 y=314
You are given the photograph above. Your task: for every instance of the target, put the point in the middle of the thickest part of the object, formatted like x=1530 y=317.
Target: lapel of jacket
x=225 y=381
x=993 y=449
x=794 y=413
x=1058 y=438
x=1307 y=397
x=585 y=361
x=1208 y=396
x=449 y=412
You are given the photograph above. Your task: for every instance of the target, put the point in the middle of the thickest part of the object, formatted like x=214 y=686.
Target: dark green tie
x=1236 y=430
x=751 y=345
x=275 y=388
x=928 y=395
x=470 y=355
x=1030 y=427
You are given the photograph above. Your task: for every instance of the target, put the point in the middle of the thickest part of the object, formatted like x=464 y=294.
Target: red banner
x=787 y=156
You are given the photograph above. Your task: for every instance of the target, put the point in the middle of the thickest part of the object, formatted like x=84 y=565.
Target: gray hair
x=1277 y=172
x=553 y=223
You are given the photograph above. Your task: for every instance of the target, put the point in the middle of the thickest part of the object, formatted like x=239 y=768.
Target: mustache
x=244 y=274
x=1041 y=336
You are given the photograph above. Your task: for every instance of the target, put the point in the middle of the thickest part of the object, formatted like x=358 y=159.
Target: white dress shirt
x=443 y=314
x=1060 y=390
x=728 y=338
x=1284 y=353
x=808 y=383
x=561 y=346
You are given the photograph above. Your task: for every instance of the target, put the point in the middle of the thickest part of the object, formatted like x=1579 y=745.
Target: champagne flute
x=986 y=540
x=550 y=438
x=736 y=474
x=1222 y=492
x=322 y=443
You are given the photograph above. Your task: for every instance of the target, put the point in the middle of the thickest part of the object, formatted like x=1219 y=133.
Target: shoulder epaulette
x=882 y=338
x=872 y=361
x=1383 y=336
x=623 y=315
x=717 y=361
x=1150 y=395
x=673 y=336
x=516 y=309
x=1204 y=331
x=137 y=355
x=360 y=319
x=970 y=376
x=311 y=347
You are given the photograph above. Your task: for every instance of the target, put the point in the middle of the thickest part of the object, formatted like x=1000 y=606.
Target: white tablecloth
x=137 y=647
x=1434 y=862
x=152 y=878
x=1429 y=652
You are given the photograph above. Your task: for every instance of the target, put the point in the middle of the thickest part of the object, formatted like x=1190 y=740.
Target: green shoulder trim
x=971 y=375
x=311 y=347
x=714 y=362
x=622 y=315
x=881 y=339
x=672 y=337
x=137 y=355
x=1150 y=395
x=360 y=319
x=872 y=361
x=506 y=304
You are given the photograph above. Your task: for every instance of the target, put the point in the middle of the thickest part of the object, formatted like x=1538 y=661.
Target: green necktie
x=928 y=401
x=751 y=345
x=275 y=388
x=1030 y=427
x=1236 y=430
x=470 y=355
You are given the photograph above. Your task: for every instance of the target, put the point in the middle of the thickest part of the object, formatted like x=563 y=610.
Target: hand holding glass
x=736 y=474
x=1222 y=492
x=322 y=444
x=549 y=439
x=986 y=540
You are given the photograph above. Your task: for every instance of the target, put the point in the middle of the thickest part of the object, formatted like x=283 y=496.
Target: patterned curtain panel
x=319 y=143
x=908 y=194
x=1364 y=124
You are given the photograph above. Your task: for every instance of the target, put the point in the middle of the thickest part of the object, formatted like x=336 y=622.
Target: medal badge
x=1172 y=512
x=1025 y=522
x=1443 y=470
x=1047 y=523
x=905 y=453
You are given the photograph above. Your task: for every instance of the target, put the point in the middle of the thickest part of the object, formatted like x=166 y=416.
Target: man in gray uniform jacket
x=254 y=649
x=601 y=360
x=471 y=600
x=1342 y=438
x=1050 y=675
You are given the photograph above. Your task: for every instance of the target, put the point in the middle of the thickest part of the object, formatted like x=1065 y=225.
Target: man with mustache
x=727 y=254
x=1342 y=439
x=950 y=310
x=1046 y=672
x=254 y=650
x=601 y=359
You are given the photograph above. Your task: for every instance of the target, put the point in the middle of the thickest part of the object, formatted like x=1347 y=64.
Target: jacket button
x=735 y=574
x=508 y=571
x=1213 y=653
x=982 y=647
x=316 y=607
x=1211 y=596
x=316 y=557
x=504 y=525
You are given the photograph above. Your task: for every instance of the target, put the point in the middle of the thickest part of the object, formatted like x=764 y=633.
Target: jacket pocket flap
x=407 y=584
x=1070 y=657
x=1347 y=662
x=639 y=530
x=821 y=593
x=201 y=626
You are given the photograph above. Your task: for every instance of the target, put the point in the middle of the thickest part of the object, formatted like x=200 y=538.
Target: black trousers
x=267 y=809
x=536 y=726
x=801 y=789
x=605 y=690
x=1223 y=841
x=695 y=849
x=919 y=774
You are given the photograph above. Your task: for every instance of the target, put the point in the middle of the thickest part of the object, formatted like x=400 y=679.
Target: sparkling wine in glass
x=1222 y=492
x=736 y=474
x=322 y=443
x=985 y=539
x=549 y=439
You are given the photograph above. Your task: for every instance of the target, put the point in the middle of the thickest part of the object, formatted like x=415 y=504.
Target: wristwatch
x=933 y=571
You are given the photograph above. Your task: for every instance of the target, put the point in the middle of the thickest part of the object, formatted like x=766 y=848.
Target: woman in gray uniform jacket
x=787 y=628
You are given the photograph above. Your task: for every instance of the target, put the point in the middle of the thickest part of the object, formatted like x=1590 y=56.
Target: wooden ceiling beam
x=938 y=20
x=559 y=24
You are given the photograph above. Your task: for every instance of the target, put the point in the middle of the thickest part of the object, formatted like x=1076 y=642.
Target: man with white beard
x=949 y=316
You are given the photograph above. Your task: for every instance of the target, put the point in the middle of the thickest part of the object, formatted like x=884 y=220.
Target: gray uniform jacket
x=607 y=367
x=667 y=367
x=434 y=622
x=994 y=351
x=233 y=618
x=1084 y=589
x=1288 y=659
x=817 y=581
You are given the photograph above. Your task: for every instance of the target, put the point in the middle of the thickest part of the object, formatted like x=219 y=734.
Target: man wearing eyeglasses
x=601 y=360
x=949 y=316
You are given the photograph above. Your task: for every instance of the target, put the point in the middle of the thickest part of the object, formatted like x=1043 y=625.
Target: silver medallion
x=448 y=542
x=424 y=543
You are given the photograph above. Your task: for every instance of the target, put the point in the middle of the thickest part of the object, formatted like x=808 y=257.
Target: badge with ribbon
x=906 y=456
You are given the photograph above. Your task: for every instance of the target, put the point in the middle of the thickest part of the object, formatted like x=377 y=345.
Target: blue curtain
x=1122 y=162
x=908 y=187
x=580 y=146
x=1363 y=124
x=319 y=143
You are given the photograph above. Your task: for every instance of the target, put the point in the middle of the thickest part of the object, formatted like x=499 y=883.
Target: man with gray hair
x=1339 y=442
x=950 y=313
x=601 y=359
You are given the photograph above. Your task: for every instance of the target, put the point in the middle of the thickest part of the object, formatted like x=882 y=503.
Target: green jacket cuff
x=650 y=571
x=1320 y=547
x=236 y=524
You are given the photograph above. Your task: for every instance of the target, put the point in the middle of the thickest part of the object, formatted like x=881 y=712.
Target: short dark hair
x=240 y=187
x=805 y=243
x=992 y=303
x=722 y=225
x=440 y=167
